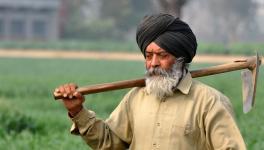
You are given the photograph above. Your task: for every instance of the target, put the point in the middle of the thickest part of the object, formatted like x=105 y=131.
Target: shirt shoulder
x=133 y=96
x=209 y=95
x=198 y=86
x=134 y=92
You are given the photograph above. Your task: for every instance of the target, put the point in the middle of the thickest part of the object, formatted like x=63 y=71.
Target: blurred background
x=67 y=24
x=46 y=43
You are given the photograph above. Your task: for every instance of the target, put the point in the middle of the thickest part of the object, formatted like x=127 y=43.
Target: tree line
x=117 y=19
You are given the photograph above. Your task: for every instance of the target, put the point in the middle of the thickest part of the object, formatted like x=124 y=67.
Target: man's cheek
x=147 y=65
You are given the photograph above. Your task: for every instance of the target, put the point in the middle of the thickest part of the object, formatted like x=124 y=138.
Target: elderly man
x=172 y=112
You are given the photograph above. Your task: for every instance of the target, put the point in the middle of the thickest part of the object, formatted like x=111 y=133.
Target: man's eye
x=148 y=56
x=163 y=55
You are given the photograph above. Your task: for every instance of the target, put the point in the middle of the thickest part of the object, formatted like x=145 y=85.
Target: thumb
x=78 y=95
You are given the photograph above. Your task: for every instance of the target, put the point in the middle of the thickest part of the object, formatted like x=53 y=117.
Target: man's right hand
x=72 y=99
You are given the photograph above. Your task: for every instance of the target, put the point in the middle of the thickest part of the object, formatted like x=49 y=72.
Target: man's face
x=163 y=71
x=156 y=57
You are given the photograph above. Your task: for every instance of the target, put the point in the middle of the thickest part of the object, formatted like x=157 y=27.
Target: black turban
x=170 y=33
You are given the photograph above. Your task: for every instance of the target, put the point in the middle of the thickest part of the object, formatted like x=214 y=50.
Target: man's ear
x=181 y=60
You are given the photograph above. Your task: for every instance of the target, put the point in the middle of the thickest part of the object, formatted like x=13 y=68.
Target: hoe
x=250 y=67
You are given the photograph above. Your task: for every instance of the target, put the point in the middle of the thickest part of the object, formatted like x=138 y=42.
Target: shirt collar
x=185 y=84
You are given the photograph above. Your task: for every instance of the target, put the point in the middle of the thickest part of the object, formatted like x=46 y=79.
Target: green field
x=128 y=46
x=31 y=119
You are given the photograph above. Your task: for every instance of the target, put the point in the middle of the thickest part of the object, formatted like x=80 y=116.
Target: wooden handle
x=106 y=87
x=249 y=63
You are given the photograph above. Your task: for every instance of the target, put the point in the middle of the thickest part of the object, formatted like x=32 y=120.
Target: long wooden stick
x=236 y=65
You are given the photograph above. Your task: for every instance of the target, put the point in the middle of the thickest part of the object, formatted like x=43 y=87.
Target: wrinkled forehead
x=154 y=48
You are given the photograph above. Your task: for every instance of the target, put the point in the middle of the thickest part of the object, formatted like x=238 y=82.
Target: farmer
x=172 y=111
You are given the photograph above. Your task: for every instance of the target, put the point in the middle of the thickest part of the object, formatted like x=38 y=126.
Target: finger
x=67 y=89
x=78 y=95
x=62 y=91
x=65 y=95
x=57 y=90
x=73 y=88
x=73 y=85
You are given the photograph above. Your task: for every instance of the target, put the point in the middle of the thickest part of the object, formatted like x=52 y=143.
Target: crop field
x=240 y=48
x=31 y=120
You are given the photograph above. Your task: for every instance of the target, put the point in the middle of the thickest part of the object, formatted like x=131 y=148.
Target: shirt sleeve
x=222 y=132
x=114 y=133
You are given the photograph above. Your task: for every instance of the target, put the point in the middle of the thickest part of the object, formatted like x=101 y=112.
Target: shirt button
x=158 y=124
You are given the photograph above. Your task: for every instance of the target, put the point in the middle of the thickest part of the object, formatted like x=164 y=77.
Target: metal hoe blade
x=247 y=90
x=249 y=85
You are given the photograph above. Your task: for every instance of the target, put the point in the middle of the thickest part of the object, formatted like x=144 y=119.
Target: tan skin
x=158 y=57
x=155 y=57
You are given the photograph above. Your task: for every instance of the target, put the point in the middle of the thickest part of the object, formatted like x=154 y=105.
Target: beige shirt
x=196 y=117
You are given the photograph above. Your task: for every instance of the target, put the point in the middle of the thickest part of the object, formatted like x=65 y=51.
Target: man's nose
x=155 y=61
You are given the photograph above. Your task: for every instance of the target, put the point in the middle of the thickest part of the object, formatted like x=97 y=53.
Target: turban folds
x=171 y=34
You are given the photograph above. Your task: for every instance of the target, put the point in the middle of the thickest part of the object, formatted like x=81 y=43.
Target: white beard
x=162 y=83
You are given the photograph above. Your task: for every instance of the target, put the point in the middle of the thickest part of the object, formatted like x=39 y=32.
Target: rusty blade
x=247 y=90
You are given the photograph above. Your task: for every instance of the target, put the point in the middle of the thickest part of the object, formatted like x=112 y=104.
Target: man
x=172 y=112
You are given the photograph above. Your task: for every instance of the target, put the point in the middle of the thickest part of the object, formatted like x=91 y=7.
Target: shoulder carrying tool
x=249 y=80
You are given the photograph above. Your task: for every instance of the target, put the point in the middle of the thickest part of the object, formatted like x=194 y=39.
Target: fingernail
x=70 y=96
x=57 y=90
x=65 y=95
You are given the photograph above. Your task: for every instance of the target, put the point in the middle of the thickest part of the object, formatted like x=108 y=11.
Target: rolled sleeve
x=82 y=121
